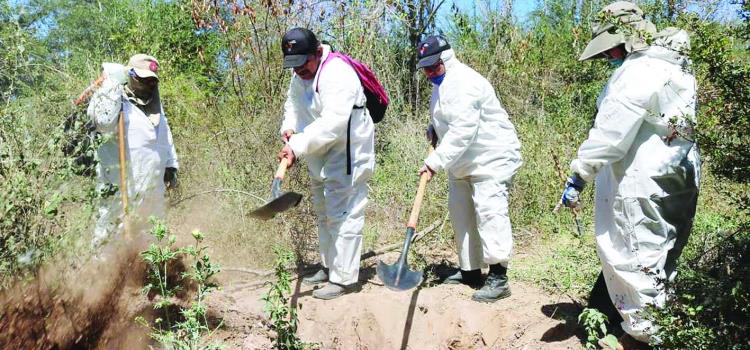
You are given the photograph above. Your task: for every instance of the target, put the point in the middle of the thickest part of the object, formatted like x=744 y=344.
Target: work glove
x=431 y=135
x=573 y=187
x=170 y=178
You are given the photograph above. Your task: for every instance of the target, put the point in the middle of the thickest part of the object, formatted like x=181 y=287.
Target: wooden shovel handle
x=417 y=201
x=123 y=169
x=89 y=90
x=281 y=170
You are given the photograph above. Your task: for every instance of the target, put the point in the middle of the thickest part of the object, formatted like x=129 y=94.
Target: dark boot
x=472 y=278
x=599 y=299
x=495 y=286
x=625 y=342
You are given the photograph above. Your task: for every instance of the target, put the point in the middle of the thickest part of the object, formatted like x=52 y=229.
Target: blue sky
x=521 y=9
x=727 y=11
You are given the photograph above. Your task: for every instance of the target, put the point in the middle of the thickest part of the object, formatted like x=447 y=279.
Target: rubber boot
x=330 y=291
x=495 y=286
x=472 y=278
x=319 y=277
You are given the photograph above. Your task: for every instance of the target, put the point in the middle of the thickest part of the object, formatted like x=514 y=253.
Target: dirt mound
x=89 y=307
x=432 y=317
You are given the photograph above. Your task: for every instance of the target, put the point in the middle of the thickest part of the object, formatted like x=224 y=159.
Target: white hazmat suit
x=646 y=166
x=479 y=149
x=335 y=134
x=149 y=150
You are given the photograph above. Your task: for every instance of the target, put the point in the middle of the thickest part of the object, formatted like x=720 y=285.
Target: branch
x=393 y=246
x=367 y=255
x=218 y=190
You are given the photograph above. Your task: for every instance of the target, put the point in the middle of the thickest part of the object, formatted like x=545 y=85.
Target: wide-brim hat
x=620 y=23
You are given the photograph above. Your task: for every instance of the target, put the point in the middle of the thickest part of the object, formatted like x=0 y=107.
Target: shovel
x=398 y=276
x=279 y=201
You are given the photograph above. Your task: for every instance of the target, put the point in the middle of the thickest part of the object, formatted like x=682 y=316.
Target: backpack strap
x=334 y=54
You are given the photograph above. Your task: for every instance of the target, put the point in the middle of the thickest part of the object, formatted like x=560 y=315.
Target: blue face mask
x=616 y=62
x=437 y=79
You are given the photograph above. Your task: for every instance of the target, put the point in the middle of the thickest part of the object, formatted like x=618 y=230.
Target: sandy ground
x=434 y=316
x=84 y=311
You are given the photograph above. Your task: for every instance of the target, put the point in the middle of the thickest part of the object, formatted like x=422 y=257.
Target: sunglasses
x=433 y=67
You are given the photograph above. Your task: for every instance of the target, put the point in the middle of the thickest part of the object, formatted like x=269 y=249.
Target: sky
x=726 y=9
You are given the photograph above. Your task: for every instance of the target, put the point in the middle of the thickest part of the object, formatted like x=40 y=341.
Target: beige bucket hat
x=621 y=22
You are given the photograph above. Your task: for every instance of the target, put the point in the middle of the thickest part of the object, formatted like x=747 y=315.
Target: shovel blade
x=277 y=205
x=398 y=280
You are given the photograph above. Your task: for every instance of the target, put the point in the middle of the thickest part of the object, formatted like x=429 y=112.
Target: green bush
x=223 y=88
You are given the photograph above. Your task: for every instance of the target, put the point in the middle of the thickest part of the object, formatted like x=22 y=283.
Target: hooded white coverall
x=149 y=150
x=321 y=121
x=647 y=184
x=479 y=149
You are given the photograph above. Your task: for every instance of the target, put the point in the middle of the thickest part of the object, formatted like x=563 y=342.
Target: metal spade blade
x=279 y=201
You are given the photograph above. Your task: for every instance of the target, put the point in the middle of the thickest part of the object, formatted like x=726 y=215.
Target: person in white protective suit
x=476 y=144
x=326 y=123
x=150 y=154
x=644 y=159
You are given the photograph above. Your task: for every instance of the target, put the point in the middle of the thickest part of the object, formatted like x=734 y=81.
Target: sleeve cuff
x=298 y=143
x=433 y=161
x=585 y=172
x=285 y=127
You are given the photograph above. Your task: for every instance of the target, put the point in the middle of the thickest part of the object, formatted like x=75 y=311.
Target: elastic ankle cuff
x=471 y=275
x=498 y=269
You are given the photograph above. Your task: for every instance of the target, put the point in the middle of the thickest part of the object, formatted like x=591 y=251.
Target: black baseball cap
x=296 y=45
x=428 y=51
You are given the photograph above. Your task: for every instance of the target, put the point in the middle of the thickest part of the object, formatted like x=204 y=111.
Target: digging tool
x=279 y=201
x=123 y=170
x=114 y=71
x=84 y=96
x=575 y=211
x=398 y=276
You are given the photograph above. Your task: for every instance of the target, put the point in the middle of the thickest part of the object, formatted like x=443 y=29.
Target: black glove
x=431 y=136
x=170 y=178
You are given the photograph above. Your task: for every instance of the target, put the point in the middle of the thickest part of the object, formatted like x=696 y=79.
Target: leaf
x=611 y=341
x=51 y=205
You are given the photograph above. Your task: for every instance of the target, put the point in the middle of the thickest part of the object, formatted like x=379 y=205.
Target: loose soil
x=432 y=317
x=94 y=308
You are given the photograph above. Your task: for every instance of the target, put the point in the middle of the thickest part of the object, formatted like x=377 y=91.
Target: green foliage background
x=223 y=87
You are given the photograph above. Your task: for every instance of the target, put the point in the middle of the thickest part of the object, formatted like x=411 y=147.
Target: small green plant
x=595 y=324
x=283 y=316
x=189 y=330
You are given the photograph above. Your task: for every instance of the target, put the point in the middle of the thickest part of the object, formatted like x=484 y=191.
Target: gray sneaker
x=319 y=277
x=455 y=278
x=495 y=288
x=330 y=291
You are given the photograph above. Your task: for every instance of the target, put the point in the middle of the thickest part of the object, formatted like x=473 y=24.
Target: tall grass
x=223 y=88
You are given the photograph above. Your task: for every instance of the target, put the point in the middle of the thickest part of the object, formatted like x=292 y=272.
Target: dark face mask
x=141 y=89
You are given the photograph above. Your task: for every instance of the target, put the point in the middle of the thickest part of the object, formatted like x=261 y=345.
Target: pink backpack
x=377 y=99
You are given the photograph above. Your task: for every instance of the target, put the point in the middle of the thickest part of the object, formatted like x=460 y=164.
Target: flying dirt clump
x=88 y=307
